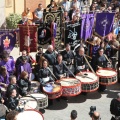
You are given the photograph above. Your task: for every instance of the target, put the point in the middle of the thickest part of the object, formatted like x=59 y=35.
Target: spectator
x=38 y=14
x=73 y=115
x=66 y=5
x=115 y=108
x=12 y=115
x=96 y=116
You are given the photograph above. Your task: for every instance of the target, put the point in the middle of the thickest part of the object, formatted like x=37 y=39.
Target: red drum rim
x=35 y=111
x=72 y=86
x=106 y=69
x=108 y=83
x=89 y=82
x=52 y=98
x=53 y=92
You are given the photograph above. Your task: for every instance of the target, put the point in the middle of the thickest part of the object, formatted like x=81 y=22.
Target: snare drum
x=42 y=100
x=70 y=86
x=30 y=115
x=53 y=90
x=89 y=81
x=107 y=76
x=28 y=103
x=35 y=86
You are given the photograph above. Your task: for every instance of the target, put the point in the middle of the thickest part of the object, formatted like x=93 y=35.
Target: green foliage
x=12 y=20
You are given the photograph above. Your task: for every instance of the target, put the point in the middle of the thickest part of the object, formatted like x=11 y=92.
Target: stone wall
x=2 y=12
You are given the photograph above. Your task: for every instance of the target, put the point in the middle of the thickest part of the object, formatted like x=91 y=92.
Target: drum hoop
x=36 y=111
x=33 y=98
x=38 y=93
x=96 y=80
x=106 y=76
x=71 y=86
x=53 y=92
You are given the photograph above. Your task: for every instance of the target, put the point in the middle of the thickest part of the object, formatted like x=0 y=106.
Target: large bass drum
x=89 y=81
x=70 y=86
x=107 y=76
x=44 y=35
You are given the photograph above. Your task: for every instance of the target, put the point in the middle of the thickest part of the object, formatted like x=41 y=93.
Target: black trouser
x=102 y=87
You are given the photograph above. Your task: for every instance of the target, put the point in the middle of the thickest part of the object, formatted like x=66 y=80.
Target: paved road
x=61 y=110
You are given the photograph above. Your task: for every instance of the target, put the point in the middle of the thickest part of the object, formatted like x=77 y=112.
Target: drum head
x=29 y=115
x=69 y=82
x=28 y=103
x=3 y=110
x=38 y=95
x=87 y=77
x=51 y=87
x=106 y=72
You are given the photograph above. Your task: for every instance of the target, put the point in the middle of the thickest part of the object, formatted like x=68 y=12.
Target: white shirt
x=66 y=5
x=39 y=13
x=77 y=4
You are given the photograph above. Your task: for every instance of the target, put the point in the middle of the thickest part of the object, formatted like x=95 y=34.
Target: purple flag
x=87 y=25
x=104 y=23
x=7 y=39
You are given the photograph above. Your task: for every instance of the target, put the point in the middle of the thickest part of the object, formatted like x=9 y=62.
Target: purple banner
x=7 y=39
x=87 y=25
x=104 y=23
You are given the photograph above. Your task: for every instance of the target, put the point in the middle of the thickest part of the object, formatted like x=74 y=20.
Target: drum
x=30 y=115
x=107 y=76
x=53 y=90
x=89 y=81
x=3 y=110
x=28 y=102
x=70 y=86
x=35 y=86
x=42 y=100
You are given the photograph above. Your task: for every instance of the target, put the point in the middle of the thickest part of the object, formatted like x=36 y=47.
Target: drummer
x=68 y=55
x=45 y=74
x=13 y=101
x=59 y=69
x=12 y=85
x=12 y=115
x=24 y=84
x=101 y=62
x=80 y=62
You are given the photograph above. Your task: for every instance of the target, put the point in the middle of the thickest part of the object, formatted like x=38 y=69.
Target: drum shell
x=107 y=80
x=89 y=86
x=42 y=103
x=68 y=91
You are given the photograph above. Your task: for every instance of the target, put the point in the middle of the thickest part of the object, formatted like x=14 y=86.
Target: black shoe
x=58 y=99
x=64 y=98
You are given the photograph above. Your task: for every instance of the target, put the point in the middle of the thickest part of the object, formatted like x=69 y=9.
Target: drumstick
x=71 y=72
x=52 y=73
x=89 y=65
